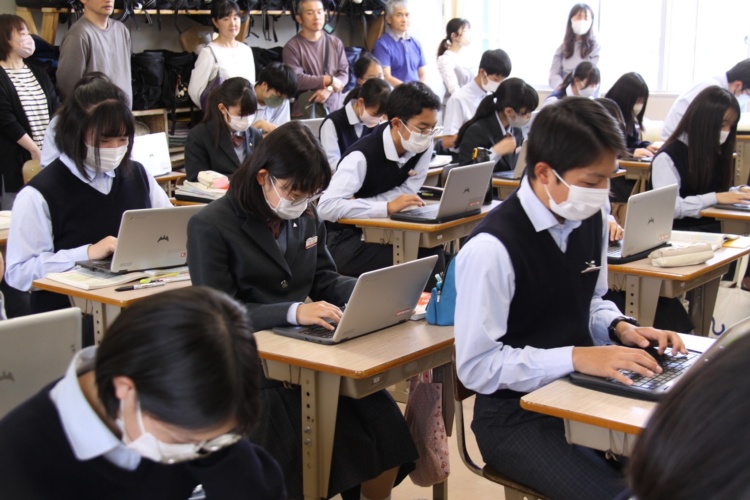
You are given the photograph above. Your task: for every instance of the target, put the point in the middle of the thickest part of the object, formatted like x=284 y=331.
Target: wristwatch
x=612 y=327
x=330 y=88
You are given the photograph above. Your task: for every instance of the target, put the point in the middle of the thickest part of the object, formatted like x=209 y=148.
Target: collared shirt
x=31 y=246
x=278 y=116
x=494 y=156
x=330 y=139
x=337 y=202
x=462 y=106
x=682 y=103
x=88 y=435
x=403 y=54
x=485 y=282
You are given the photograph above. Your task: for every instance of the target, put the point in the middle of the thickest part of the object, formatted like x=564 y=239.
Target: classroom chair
x=30 y=169
x=513 y=490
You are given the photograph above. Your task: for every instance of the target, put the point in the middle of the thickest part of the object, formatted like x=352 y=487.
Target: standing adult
x=317 y=58
x=579 y=44
x=401 y=54
x=95 y=43
x=455 y=72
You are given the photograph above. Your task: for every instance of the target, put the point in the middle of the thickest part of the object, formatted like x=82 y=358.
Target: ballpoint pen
x=139 y=287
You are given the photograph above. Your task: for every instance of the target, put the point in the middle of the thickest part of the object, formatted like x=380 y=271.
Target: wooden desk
x=638 y=171
x=355 y=368
x=170 y=181
x=106 y=303
x=505 y=186
x=4 y=238
x=596 y=419
x=408 y=237
x=643 y=284
x=732 y=221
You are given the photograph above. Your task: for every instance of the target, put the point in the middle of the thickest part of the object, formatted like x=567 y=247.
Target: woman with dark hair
x=579 y=44
x=583 y=82
x=72 y=209
x=27 y=100
x=498 y=124
x=367 y=66
x=158 y=408
x=264 y=244
x=698 y=158
x=224 y=138
x=453 y=70
x=363 y=109
x=225 y=57
x=630 y=92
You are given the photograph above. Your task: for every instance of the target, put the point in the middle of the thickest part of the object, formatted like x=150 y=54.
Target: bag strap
x=325 y=56
x=216 y=64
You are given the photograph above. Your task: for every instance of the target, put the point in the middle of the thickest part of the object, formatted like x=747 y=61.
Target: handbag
x=442 y=305
x=424 y=416
x=213 y=82
x=303 y=108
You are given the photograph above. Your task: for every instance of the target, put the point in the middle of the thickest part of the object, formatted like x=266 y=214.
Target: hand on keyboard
x=318 y=313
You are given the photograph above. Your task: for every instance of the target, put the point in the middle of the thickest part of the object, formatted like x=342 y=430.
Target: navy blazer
x=485 y=133
x=237 y=254
x=201 y=152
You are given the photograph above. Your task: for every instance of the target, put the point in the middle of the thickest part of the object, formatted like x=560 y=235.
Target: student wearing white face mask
x=630 y=92
x=498 y=124
x=71 y=211
x=582 y=82
x=224 y=138
x=579 y=44
x=529 y=306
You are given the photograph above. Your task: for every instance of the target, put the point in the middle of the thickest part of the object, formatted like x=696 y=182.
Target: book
x=86 y=279
x=4 y=219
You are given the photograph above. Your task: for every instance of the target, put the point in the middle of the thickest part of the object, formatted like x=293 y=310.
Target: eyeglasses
x=295 y=202
x=425 y=132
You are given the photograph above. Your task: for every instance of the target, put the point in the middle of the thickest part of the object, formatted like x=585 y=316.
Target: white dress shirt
x=31 y=247
x=682 y=103
x=330 y=139
x=337 y=202
x=453 y=70
x=485 y=284
x=462 y=106
x=278 y=116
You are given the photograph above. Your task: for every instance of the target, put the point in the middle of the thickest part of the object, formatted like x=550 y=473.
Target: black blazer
x=485 y=133
x=14 y=124
x=237 y=254
x=201 y=152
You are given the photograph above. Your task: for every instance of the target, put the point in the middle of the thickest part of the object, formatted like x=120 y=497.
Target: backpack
x=46 y=57
x=442 y=305
x=264 y=57
x=352 y=54
x=147 y=78
x=178 y=66
x=268 y=5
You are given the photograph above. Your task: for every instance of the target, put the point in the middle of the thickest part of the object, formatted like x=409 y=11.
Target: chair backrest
x=30 y=169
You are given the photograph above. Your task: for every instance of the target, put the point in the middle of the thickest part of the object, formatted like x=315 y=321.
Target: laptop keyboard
x=673 y=366
x=424 y=211
x=318 y=332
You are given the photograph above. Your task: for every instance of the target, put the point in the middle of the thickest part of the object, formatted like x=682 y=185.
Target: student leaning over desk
x=579 y=44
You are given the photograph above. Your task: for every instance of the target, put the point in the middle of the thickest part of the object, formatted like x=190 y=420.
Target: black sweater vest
x=550 y=306
x=344 y=130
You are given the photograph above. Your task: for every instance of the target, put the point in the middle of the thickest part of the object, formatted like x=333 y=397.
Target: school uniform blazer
x=485 y=133
x=237 y=254
x=201 y=152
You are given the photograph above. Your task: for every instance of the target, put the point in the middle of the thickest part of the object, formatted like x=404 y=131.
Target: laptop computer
x=151 y=238
x=463 y=195
x=519 y=167
x=674 y=367
x=648 y=225
x=34 y=351
x=380 y=299
x=313 y=124
x=733 y=206
x=152 y=151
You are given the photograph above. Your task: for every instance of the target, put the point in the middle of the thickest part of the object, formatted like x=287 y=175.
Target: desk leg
x=405 y=246
x=702 y=306
x=320 y=400
x=641 y=296
x=104 y=315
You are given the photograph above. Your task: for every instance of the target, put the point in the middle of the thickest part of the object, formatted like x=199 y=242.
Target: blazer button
x=284 y=284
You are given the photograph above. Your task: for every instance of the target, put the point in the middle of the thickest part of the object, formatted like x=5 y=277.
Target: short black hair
x=279 y=77
x=224 y=8
x=409 y=99
x=232 y=92
x=740 y=72
x=625 y=92
x=586 y=71
x=572 y=133
x=363 y=63
x=9 y=24
x=496 y=62
x=191 y=355
x=375 y=93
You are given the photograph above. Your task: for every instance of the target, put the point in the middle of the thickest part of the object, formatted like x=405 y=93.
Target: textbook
x=199 y=190
x=86 y=279
x=4 y=219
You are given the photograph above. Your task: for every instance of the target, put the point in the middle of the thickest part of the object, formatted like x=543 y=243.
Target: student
x=381 y=175
x=498 y=124
x=579 y=44
x=400 y=53
x=583 y=82
x=453 y=70
x=224 y=138
x=364 y=108
x=630 y=92
x=527 y=256
x=700 y=426
x=367 y=66
x=494 y=67
x=698 y=158
x=224 y=57
x=264 y=244
x=71 y=210
x=139 y=417
x=276 y=84
x=736 y=81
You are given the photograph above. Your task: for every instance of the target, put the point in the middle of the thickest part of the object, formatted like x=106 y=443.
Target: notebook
x=380 y=299
x=648 y=225
x=34 y=351
x=675 y=367
x=151 y=238
x=733 y=206
x=463 y=195
x=519 y=167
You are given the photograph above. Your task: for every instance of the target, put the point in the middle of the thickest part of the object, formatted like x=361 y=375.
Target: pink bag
x=424 y=416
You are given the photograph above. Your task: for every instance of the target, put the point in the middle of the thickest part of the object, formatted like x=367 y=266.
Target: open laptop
x=519 y=167
x=34 y=351
x=648 y=225
x=380 y=299
x=151 y=238
x=463 y=195
x=152 y=151
x=674 y=368
x=314 y=125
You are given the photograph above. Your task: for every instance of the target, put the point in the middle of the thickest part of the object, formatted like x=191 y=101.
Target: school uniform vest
x=550 y=306
x=345 y=130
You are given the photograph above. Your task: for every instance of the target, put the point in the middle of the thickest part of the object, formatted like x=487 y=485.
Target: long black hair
x=375 y=93
x=586 y=71
x=626 y=91
x=235 y=91
x=588 y=40
x=454 y=27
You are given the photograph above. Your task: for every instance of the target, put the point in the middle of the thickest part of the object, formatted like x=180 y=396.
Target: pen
x=139 y=287
x=166 y=278
x=158 y=278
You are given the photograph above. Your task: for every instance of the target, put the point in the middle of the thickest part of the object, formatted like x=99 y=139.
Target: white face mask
x=286 y=209
x=416 y=143
x=491 y=85
x=240 y=123
x=637 y=108
x=517 y=121
x=27 y=47
x=587 y=92
x=581 y=26
x=109 y=158
x=582 y=202
x=723 y=136
x=369 y=120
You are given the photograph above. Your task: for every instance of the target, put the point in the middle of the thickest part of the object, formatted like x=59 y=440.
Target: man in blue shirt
x=400 y=54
